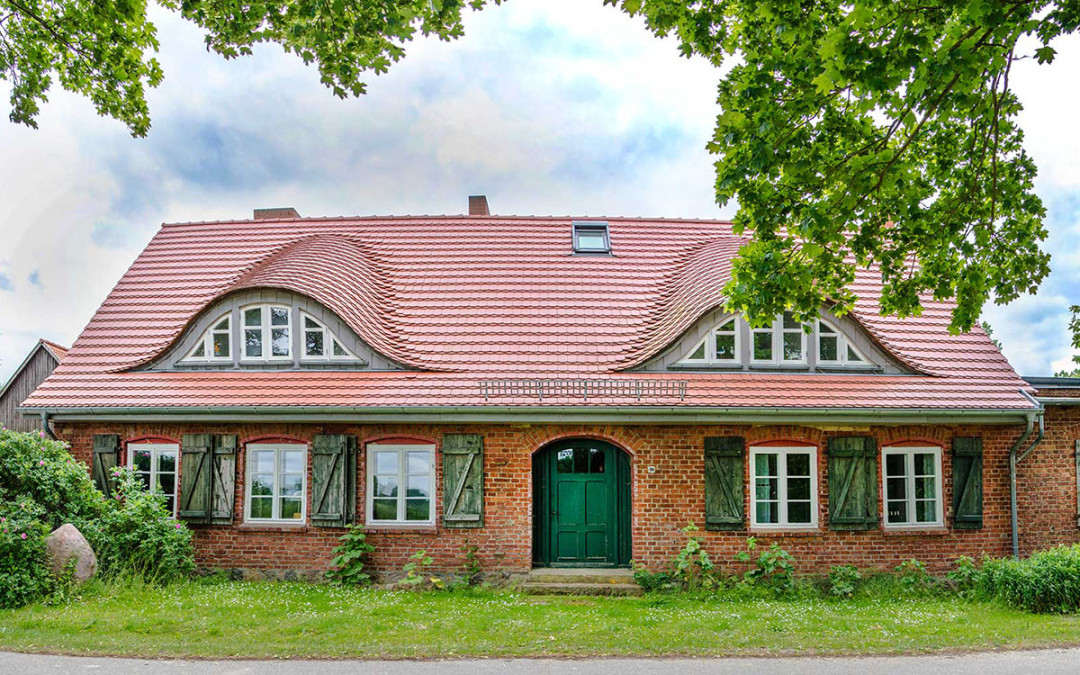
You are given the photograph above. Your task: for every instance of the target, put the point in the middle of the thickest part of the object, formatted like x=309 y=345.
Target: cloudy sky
x=547 y=106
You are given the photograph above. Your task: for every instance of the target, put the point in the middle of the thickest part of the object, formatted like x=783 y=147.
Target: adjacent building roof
x=462 y=301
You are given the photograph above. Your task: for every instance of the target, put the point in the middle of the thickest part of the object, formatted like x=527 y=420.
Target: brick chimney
x=478 y=205
x=275 y=214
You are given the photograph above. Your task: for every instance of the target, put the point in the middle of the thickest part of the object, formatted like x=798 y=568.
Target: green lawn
x=283 y=620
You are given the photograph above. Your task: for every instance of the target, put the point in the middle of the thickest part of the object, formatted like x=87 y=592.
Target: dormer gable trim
x=723 y=341
x=228 y=317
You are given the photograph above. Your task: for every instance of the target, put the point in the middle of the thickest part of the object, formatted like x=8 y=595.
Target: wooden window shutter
x=333 y=475
x=967 y=486
x=196 y=484
x=852 y=483
x=463 y=480
x=223 y=483
x=725 y=458
x=106 y=458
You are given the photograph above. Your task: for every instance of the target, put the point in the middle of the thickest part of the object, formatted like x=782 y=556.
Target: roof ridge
x=451 y=217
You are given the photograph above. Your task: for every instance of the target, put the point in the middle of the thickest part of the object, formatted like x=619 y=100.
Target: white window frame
x=782 y=487
x=249 y=472
x=207 y=343
x=777 y=330
x=156 y=450
x=909 y=453
x=369 y=491
x=709 y=342
x=329 y=339
x=267 y=331
x=842 y=346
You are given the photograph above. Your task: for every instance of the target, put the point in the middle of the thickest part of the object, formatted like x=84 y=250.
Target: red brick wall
x=1046 y=484
x=664 y=501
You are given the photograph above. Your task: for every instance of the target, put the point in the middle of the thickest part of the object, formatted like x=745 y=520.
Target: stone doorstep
x=578 y=581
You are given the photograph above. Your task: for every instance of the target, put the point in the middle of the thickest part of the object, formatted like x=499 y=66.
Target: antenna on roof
x=278 y=213
x=478 y=205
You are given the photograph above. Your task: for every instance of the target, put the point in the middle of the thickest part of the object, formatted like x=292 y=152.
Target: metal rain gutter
x=540 y=414
x=45 y=425
x=1015 y=459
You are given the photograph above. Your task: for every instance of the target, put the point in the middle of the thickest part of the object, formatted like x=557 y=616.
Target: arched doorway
x=581 y=505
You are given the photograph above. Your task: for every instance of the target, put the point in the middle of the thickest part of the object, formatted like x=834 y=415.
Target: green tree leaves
x=104 y=49
x=872 y=134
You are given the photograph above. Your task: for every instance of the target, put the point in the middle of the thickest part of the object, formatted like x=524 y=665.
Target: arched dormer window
x=321 y=343
x=270 y=329
x=215 y=345
x=782 y=344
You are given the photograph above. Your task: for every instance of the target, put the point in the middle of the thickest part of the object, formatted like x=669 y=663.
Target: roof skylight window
x=591 y=237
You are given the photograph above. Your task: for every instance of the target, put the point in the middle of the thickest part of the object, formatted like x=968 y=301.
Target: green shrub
x=964 y=575
x=843 y=580
x=347 y=565
x=41 y=488
x=24 y=565
x=139 y=536
x=653 y=582
x=914 y=578
x=35 y=469
x=692 y=568
x=418 y=572
x=774 y=568
x=1046 y=583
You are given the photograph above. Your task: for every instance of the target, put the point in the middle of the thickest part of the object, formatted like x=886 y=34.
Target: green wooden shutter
x=196 y=484
x=967 y=496
x=106 y=458
x=333 y=475
x=463 y=480
x=223 y=483
x=852 y=483
x=724 y=494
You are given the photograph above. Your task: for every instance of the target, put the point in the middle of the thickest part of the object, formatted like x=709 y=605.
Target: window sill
x=401 y=528
x=273 y=526
x=785 y=531
x=931 y=531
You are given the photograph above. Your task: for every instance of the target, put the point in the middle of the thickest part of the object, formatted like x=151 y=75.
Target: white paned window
x=834 y=348
x=321 y=343
x=782 y=342
x=784 y=484
x=912 y=478
x=267 y=332
x=155 y=465
x=276 y=482
x=721 y=345
x=401 y=481
x=215 y=344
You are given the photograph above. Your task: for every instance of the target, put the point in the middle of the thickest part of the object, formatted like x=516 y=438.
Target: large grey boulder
x=67 y=543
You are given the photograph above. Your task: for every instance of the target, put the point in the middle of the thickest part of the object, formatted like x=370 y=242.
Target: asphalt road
x=1046 y=662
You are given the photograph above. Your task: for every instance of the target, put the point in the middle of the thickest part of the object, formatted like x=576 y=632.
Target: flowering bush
x=41 y=488
x=24 y=566
x=138 y=534
x=34 y=469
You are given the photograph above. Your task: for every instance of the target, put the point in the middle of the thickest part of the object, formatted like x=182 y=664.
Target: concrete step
x=571 y=575
x=534 y=588
x=579 y=581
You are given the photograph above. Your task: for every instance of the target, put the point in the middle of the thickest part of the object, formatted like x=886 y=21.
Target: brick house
x=555 y=392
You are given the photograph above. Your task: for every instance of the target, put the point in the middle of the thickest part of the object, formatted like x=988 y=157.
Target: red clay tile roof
x=59 y=352
x=465 y=299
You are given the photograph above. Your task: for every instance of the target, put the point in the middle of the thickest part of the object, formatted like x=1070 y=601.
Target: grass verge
x=279 y=620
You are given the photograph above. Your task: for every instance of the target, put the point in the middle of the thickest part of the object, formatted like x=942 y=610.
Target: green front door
x=581 y=505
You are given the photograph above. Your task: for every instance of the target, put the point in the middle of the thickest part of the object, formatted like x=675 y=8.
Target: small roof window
x=591 y=237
